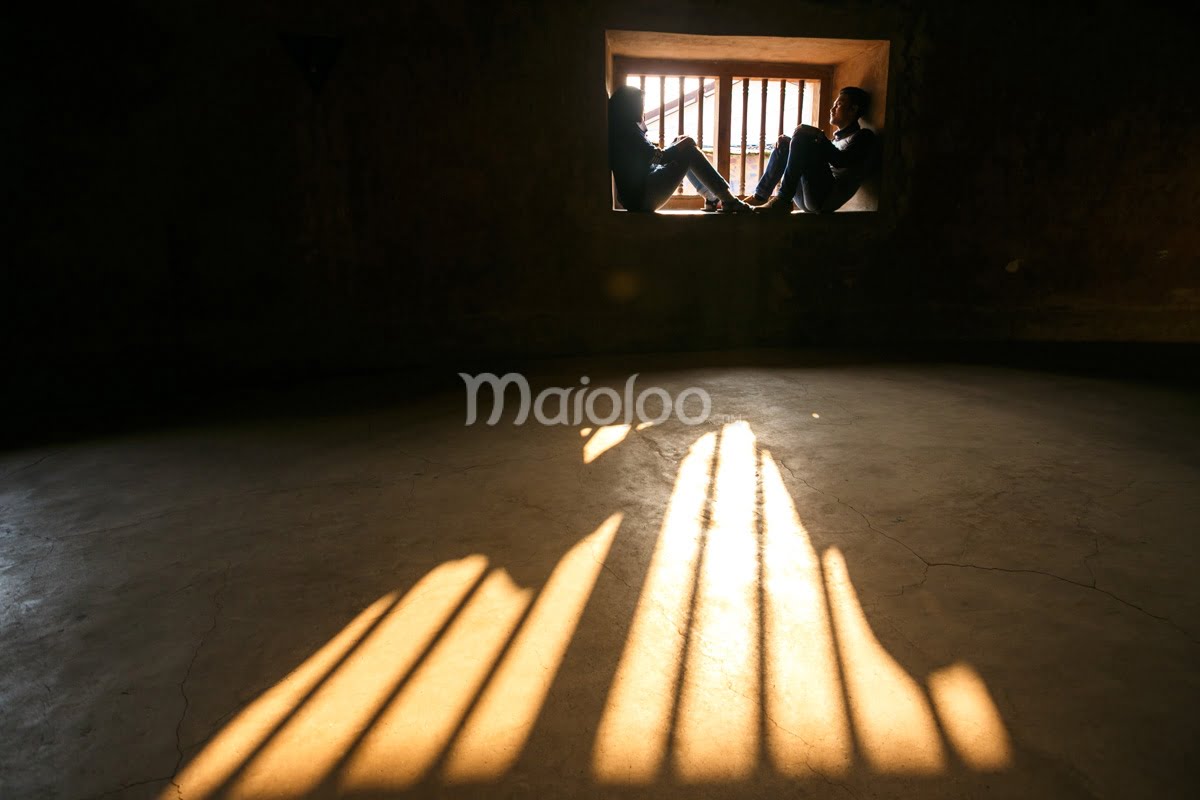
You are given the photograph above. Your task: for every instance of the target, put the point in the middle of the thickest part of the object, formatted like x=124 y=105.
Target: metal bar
x=745 y=113
x=762 y=128
x=700 y=115
x=662 y=109
x=782 y=98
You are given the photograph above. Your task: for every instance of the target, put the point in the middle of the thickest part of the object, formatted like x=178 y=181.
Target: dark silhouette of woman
x=645 y=175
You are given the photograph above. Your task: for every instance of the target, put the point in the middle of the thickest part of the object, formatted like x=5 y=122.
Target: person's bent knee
x=783 y=141
x=804 y=133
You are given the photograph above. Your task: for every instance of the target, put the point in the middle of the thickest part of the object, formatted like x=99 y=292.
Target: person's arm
x=670 y=154
x=650 y=151
x=632 y=147
x=630 y=157
x=855 y=154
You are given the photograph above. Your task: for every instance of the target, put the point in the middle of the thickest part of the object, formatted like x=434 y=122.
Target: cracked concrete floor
x=859 y=580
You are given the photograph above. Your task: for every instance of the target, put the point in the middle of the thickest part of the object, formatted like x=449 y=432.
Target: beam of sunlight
x=605 y=438
x=632 y=737
x=746 y=653
x=309 y=746
x=891 y=714
x=418 y=723
x=717 y=734
x=807 y=728
x=969 y=717
x=500 y=724
x=287 y=737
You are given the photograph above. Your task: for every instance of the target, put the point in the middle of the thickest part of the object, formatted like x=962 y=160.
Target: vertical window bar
x=800 y=104
x=723 y=125
x=745 y=114
x=679 y=106
x=679 y=115
x=700 y=114
x=782 y=102
x=662 y=109
x=642 y=87
x=762 y=128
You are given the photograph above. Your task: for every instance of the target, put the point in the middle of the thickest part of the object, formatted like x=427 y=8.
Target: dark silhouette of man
x=820 y=175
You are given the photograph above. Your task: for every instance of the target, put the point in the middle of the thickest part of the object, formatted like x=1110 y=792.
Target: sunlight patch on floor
x=746 y=651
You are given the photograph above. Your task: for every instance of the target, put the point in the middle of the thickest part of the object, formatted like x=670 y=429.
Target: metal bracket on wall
x=315 y=55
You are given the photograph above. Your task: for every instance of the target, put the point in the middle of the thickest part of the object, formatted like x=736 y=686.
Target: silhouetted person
x=647 y=176
x=817 y=174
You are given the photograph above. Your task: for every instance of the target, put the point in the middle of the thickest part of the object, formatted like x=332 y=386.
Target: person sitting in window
x=647 y=176
x=820 y=175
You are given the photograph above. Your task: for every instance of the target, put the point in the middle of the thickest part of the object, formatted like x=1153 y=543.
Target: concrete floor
x=853 y=580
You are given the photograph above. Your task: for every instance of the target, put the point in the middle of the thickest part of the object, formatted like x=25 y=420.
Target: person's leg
x=774 y=169
x=806 y=162
x=693 y=161
x=662 y=182
x=811 y=195
x=706 y=174
x=674 y=152
x=700 y=187
x=807 y=178
x=710 y=199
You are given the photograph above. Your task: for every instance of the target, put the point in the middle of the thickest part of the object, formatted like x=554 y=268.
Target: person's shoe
x=710 y=206
x=777 y=205
x=755 y=200
x=733 y=206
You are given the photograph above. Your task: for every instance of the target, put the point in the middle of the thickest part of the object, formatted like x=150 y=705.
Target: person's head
x=851 y=103
x=625 y=105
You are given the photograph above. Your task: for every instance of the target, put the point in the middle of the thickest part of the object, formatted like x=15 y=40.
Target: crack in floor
x=126 y=787
x=657 y=448
x=29 y=466
x=808 y=755
x=187 y=674
x=450 y=469
x=134 y=524
x=927 y=564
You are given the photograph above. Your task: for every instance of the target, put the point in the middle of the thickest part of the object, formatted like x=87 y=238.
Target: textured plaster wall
x=867 y=70
x=180 y=196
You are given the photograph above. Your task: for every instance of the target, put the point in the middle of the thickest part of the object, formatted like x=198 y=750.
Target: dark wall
x=179 y=194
